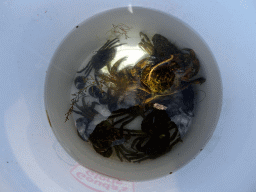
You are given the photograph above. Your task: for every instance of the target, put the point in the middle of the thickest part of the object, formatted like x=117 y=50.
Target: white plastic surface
x=32 y=159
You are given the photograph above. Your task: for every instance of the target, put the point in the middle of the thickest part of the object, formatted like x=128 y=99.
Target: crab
x=88 y=113
x=121 y=83
x=105 y=137
x=166 y=67
x=160 y=48
x=102 y=58
x=120 y=80
x=158 y=141
x=102 y=138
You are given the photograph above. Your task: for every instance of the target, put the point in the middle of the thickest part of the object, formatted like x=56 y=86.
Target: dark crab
x=88 y=113
x=105 y=137
x=167 y=67
x=158 y=141
x=102 y=138
x=96 y=92
x=116 y=83
x=160 y=48
x=102 y=58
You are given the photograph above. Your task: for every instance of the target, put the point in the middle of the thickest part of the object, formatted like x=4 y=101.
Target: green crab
x=167 y=70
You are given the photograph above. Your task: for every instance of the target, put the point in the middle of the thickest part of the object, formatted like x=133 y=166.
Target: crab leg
x=144 y=37
x=118 y=45
x=133 y=132
x=174 y=134
x=194 y=69
x=138 y=139
x=78 y=112
x=86 y=111
x=88 y=71
x=120 y=120
x=118 y=153
x=116 y=65
x=123 y=154
x=145 y=44
x=111 y=43
x=116 y=115
x=85 y=114
x=93 y=106
x=83 y=102
x=80 y=108
x=142 y=159
x=162 y=63
x=127 y=150
x=145 y=88
x=107 y=44
x=125 y=123
x=87 y=66
x=136 y=156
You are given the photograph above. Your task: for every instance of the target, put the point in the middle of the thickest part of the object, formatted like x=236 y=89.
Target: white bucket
x=90 y=35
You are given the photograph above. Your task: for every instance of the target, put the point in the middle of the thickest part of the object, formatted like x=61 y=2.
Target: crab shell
x=159 y=77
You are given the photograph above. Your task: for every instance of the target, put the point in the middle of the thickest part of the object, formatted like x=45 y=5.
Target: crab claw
x=146 y=44
x=194 y=69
